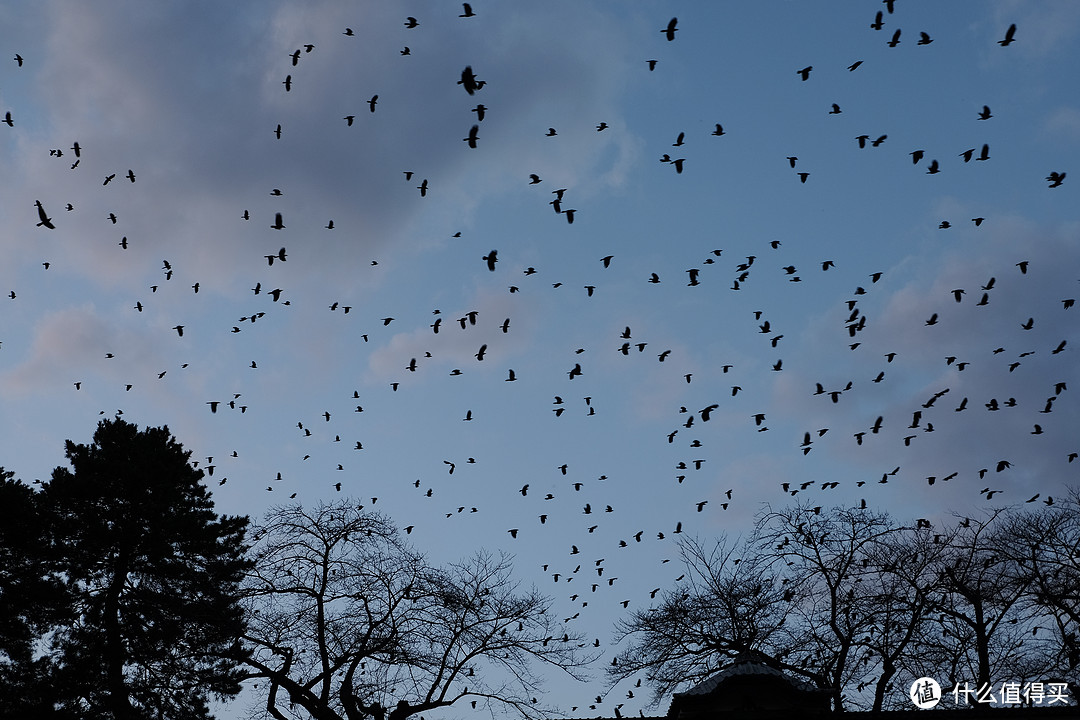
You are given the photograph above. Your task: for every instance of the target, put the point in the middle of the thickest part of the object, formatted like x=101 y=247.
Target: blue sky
x=188 y=96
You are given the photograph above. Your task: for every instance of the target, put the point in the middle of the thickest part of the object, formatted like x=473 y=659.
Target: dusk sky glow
x=794 y=312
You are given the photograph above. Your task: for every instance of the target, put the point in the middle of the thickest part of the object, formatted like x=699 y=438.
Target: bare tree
x=981 y=607
x=860 y=605
x=902 y=578
x=348 y=621
x=832 y=555
x=727 y=606
x=1043 y=546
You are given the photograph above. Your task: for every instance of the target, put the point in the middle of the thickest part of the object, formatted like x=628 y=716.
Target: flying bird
x=43 y=219
x=472 y=136
x=669 y=31
x=468 y=80
x=1010 y=36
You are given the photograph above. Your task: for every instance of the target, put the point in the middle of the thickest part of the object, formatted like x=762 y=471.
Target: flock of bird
x=595 y=499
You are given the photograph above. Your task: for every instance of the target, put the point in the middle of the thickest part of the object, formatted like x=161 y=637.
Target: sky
x=788 y=259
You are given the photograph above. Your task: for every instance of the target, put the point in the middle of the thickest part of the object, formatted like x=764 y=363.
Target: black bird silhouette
x=491 y=258
x=411 y=22
x=1055 y=179
x=467 y=11
x=985 y=114
x=371 y=103
x=472 y=136
x=924 y=39
x=43 y=219
x=805 y=72
x=669 y=31
x=895 y=39
x=287 y=82
x=468 y=80
x=278 y=225
x=1010 y=36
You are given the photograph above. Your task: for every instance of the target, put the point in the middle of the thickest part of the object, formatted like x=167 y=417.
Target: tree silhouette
x=827 y=558
x=348 y=621
x=31 y=600
x=981 y=607
x=151 y=575
x=1046 y=545
x=727 y=606
x=860 y=605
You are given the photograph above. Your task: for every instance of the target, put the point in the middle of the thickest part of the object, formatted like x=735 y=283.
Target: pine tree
x=152 y=574
x=31 y=601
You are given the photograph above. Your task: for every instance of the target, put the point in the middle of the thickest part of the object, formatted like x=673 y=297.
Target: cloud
x=936 y=395
x=72 y=345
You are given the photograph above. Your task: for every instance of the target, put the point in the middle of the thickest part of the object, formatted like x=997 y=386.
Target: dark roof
x=745 y=667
